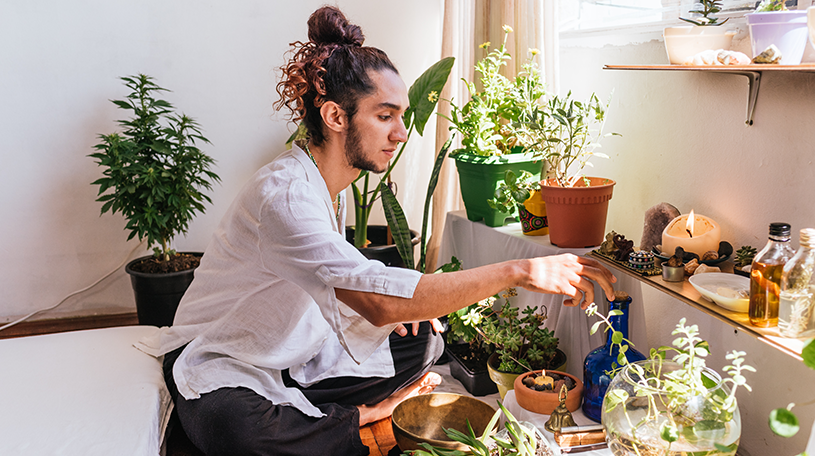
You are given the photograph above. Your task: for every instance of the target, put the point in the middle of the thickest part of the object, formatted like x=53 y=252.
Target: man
x=283 y=343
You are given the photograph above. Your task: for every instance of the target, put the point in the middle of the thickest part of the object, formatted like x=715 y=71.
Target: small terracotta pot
x=545 y=402
x=577 y=215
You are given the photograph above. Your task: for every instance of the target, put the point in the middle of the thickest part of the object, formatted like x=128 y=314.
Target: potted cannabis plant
x=576 y=205
x=154 y=175
x=660 y=406
x=492 y=141
x=373 y=241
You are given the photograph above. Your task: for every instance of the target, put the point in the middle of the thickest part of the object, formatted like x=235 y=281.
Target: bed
x=82 y=393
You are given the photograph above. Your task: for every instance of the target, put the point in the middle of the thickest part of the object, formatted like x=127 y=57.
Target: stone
x=656 y=219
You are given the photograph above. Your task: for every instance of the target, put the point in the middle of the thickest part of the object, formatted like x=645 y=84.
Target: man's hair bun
x=328 y=26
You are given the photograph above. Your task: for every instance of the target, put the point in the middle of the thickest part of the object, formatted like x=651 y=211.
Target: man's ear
x=333 y=116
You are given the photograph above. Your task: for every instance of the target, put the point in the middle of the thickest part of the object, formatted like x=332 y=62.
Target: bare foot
x=370 y=413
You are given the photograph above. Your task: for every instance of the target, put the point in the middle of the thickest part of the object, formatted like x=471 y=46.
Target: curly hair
x=332 y=66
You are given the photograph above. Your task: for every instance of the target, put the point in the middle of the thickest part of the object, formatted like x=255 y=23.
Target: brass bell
x=561 y=417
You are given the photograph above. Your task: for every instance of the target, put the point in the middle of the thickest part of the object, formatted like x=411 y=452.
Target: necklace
x=337 y=199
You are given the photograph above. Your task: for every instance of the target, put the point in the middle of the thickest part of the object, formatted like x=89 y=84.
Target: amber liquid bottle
x=765 y=276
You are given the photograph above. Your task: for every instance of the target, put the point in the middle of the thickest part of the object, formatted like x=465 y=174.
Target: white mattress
x=81 y=393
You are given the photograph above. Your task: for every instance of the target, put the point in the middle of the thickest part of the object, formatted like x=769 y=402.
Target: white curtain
x=468 y=24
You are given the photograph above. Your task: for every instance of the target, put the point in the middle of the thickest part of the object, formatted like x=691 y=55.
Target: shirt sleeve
x=298 y=243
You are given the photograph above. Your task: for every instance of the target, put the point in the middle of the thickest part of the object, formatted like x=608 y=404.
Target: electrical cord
x=20 y=320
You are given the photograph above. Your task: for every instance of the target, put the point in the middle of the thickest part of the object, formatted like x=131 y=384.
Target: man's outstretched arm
x=440 y=294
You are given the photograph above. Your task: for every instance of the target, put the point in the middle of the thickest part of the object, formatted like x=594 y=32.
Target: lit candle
x=694 y=233
x=544 y=379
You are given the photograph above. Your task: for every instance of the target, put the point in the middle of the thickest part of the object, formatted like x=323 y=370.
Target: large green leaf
x=424 y=93
x=431 y=187
x=808 y=353
x=784 y=423
x=398 y=223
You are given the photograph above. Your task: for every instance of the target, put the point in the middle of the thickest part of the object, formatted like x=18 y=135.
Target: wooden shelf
x=685 y=292
x=751 y=72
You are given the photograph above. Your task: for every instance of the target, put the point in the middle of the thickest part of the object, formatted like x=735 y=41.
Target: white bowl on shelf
x=730 y=291
x=683 y=42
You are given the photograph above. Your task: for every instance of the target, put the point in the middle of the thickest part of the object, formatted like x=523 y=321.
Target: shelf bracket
x=754 y=82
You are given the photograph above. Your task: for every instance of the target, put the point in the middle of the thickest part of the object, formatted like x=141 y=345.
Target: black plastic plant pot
x=379 y=248
x=477 y=383
x=158 y=295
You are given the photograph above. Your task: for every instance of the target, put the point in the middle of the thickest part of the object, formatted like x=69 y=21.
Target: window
x=580 y=16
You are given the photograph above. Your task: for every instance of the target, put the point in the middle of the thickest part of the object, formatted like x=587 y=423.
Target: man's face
x=376 y=130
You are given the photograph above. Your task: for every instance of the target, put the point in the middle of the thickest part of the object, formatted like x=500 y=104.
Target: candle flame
x=689 y=223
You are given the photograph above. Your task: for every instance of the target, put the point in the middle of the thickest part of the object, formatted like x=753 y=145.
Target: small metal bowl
x=672 y=273
x=424 y=418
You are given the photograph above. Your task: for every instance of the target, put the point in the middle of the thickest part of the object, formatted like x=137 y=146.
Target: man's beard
x=353 y=151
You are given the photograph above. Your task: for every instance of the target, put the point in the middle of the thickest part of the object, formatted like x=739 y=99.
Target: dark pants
x=238 y=421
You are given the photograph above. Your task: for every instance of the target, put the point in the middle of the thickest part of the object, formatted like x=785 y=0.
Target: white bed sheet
x=82 y=393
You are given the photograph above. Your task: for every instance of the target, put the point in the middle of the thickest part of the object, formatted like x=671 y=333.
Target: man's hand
x=569 y=275
x=402 y=331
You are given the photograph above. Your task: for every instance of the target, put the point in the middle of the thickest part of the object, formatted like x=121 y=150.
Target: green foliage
x=571 y=131
x=745 y=255
x=516 y=439
x=783 y=422
x=519 y=337
x=513 y=191
x=771 y=5
x=677 y=388
x=488 y=121
x=706 y=9
x=154 y=172
x=398 y=222
x=423 y=96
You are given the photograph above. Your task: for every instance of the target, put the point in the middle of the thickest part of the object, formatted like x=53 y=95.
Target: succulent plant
x=706 y=9
x=744 y=255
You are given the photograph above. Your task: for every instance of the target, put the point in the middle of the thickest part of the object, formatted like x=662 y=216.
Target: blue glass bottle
x=599 y=361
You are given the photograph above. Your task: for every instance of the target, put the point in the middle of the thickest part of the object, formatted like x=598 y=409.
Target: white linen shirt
x=263 y=298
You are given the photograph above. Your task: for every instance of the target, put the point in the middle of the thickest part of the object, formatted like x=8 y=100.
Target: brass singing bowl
x=424 y=418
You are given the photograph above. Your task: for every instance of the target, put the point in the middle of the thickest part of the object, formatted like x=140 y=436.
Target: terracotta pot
x=544 y=402
x=505 y=381
x=533 y=215
x=577 y=215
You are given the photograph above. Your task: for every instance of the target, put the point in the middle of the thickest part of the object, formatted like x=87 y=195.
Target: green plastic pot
x=479 y=178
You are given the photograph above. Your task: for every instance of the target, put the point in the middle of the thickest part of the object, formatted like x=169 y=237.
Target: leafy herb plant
x=570 y=132
x=489 y=122
x=154 y=172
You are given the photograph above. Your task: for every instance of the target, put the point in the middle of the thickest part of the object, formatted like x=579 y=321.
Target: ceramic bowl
x=421 y=419
x=721 y=287
x=544 y=402
x=682 y=43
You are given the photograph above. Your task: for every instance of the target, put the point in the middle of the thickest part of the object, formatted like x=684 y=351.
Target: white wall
x=59 y=65
x=685 y=142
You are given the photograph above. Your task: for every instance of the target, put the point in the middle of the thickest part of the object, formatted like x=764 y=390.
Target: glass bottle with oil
x=795 y=309
x=765 y=276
